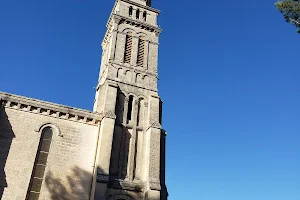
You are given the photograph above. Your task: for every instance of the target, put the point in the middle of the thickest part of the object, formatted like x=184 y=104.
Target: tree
x=291 y=11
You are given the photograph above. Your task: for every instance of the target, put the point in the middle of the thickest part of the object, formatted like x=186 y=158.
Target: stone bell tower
x=131 y=147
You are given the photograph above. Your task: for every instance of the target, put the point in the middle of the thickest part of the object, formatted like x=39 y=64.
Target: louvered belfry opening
x=141 y=52
x=128 y=49
x=40 y=165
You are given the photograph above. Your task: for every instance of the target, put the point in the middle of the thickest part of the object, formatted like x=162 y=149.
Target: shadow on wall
x=6 y=137
x=77 y=185
x=121 y=142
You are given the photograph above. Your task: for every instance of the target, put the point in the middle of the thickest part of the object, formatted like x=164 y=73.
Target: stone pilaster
x=104 y=148
x=138 y=161
x=133 y=141
x=113 y=45
x=120 y=50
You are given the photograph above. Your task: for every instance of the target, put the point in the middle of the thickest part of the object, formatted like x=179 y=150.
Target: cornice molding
x=130 y=84
x=137 y=23
x=133 y=67
x=146 y=40
x=142 y=6
x=26 y=104
x=121 y=19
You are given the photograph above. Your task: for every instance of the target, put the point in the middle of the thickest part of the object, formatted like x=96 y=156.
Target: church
x=115 y=152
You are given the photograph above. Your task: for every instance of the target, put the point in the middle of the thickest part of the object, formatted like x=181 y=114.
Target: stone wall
x=70 y=163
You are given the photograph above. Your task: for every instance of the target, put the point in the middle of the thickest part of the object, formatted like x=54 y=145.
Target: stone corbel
x=117 y=19
x=109 y=114
x=157 y=32
x=155 y=124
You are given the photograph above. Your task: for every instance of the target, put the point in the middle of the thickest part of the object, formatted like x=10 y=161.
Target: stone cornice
x=117 y=81
x=142 y=6
x=137 y=23
x=134 y=67
x=122 y=33
x=35 y=106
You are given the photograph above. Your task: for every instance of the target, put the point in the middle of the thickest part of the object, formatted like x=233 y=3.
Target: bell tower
x=130 y=158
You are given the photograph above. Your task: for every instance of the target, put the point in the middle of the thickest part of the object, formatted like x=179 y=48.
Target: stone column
x=133 y=140
x=138 y=161
x=139 y=165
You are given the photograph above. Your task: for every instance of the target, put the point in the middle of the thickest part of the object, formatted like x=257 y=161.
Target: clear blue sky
x=229 y=78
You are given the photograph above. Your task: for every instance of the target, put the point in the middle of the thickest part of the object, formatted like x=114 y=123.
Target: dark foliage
x=291 y=11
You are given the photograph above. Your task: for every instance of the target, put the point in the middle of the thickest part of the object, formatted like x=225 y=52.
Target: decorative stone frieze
x=39 y=107
x=109 y=114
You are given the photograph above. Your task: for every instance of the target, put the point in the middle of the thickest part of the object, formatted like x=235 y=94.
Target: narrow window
x=137 y=14
x=141 y=52
x=140 y=112
x=40 y=164
x=129 y=113
x=128 y=49
x=145 y=16
x=130 y=11
x=148 y=2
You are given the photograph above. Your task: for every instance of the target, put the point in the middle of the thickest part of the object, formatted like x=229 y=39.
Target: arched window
x=40 y=164
x=137 y=14
x=130 y=106
x=130 y=11
x=128 y=49
x=141 y=52
x=145 y=16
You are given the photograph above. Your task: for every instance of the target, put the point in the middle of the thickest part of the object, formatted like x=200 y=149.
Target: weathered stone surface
x=71 y=154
